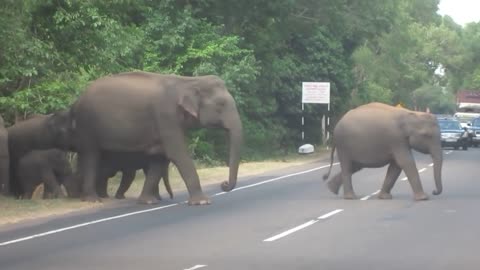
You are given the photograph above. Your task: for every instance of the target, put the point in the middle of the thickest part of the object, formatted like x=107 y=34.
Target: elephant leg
x=336 y=182
x=127 y=178
x=150 y=193
x=51 y=185
x=165 y=177
x=393 y=172
x=406 y=162
x=177 y=152
x=347 y=169
x=102 y=183
x=88 y=162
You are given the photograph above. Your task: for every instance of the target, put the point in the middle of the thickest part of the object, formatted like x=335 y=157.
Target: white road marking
x=84 y=224
x=196 y=267
x=276 y=179
x=448 y=152
x=150 y=210
x=420 y=171
x=430 y=165
x=327 y=215
x=368 y=196
x=303 y=226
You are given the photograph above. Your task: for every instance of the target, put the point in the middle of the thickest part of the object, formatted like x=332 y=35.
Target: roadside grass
x=13 y=211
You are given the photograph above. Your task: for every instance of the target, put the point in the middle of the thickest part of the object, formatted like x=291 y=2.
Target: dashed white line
x=84 y=224
x=368 y=196
x=448 y=152
x=430 y=165
x=196 y=267
x=404 y=179
x=422 y=170
x=303 y=226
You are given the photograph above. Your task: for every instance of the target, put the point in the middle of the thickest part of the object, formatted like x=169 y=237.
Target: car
x=452 y=133
x=475 y=127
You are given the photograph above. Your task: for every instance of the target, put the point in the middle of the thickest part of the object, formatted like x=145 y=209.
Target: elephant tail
x=325 y=176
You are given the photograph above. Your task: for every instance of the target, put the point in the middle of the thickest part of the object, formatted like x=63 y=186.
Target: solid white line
x=278 y=178
x=303 y=226
x=422 y=170
x=84 y=224
x=196 y=267
x=368 y=196
x=152 y=209
x=327 y=215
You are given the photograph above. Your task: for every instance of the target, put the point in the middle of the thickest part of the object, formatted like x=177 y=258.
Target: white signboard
x=316 y=92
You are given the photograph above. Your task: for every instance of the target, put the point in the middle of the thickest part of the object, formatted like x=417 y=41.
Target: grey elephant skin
x=50 y=167
x=149 y=113
x=377 y=134
x=4 y=160
x=38 y=133
x=128 y=163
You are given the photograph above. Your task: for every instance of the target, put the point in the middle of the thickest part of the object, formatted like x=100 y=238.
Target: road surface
x=281 y=220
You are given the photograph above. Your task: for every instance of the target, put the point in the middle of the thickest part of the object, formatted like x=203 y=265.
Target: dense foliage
x=377 y=50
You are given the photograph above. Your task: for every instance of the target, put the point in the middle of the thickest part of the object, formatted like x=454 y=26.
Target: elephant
x=149 y=113
x=128 y=163
x=4 y=160
x=376 y=134
x=50 y=167
x=38 y=133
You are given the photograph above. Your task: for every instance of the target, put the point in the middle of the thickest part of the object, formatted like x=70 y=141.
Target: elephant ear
x=189 y=102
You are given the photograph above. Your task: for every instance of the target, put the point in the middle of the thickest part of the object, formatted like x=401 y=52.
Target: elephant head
x=210 y=104
x=423 y=135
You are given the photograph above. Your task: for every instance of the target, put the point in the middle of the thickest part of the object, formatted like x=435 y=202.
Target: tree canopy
x=390 y=51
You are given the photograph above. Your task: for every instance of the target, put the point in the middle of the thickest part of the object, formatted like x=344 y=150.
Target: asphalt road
x=282 y=220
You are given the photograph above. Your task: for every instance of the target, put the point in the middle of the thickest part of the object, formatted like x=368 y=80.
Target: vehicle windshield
x=449 y=125
x=476 y=122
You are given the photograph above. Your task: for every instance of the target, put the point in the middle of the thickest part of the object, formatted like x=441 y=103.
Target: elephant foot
x=384 y=196
x=350 y=196
x=91 y=198
x=158 y=197
x=333 y=187
x=103 y=195
x=148 y=199
x=119 y=196
x=199 y=200
x=420 y=196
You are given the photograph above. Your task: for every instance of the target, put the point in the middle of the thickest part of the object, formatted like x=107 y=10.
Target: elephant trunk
x=235 y=137
x=437 y=157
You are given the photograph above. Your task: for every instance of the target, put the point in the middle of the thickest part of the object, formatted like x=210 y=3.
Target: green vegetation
x=376 y=50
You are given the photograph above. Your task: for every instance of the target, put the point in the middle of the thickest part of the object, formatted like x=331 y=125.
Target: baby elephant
x=50 y=167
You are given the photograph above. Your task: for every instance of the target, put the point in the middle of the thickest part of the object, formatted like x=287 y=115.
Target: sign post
x=319 y=93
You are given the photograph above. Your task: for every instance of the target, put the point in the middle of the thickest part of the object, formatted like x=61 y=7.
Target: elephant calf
x=50 y=167
x=128 y=163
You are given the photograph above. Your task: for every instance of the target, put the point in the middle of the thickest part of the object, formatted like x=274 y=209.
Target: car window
x=476 y=122
x=449 y=125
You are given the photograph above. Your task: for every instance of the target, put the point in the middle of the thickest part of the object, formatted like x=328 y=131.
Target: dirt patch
x=13 y=211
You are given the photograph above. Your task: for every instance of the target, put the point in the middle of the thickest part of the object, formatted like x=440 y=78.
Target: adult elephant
x=4 y=160
x=149 y=113
x=128 y=163
x=376 y=134
x=38 y=133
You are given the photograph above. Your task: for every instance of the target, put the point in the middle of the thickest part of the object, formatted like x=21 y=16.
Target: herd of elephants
x=137 y=120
